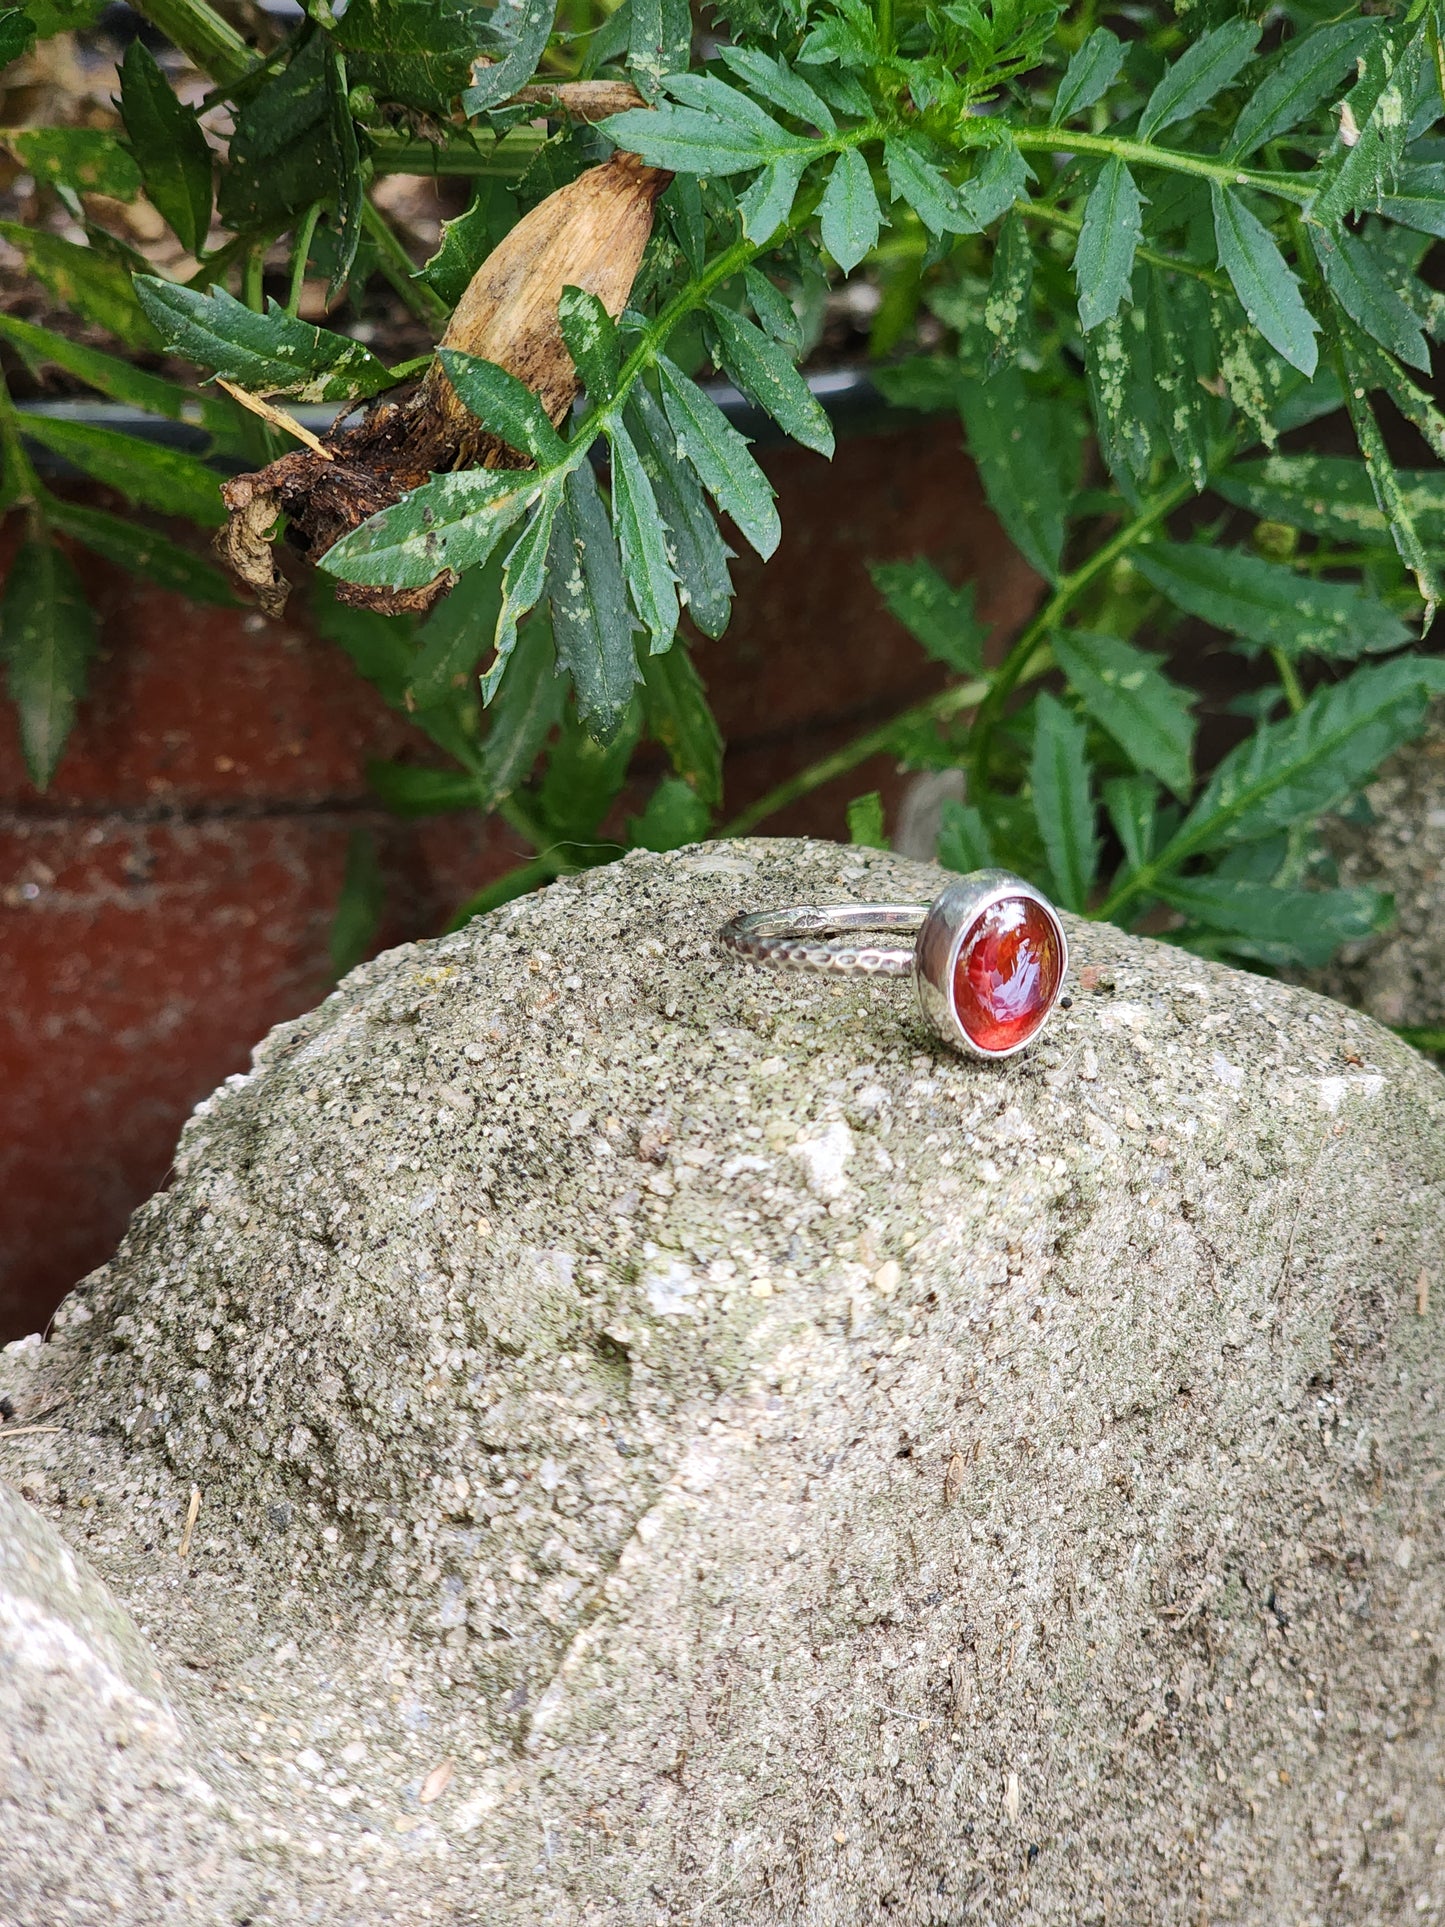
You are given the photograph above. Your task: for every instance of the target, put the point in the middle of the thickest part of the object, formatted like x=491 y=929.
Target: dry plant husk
x=590 y=234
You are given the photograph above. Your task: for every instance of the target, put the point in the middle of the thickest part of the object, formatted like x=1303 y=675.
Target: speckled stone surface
x=675 y=1444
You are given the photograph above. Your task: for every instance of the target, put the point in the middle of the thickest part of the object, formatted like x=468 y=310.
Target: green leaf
x=675 y=815
x=169 y=147
x=680 y=718
x=1001 y=181
x=584 y=776
x=1419 y=200
x=88 y=283
x=932 y=196
x=47 y=638
x=720 y=456
x=964 y=843
x=1328 y=495
x=590 y=618
x=866 y=826
x=414 y=53
x=1063 y=802
x=660 y=42
x=408 y=789
x=1268 y=291
x=1372 y=370
x=525 y=710
x=769 y=201
x=782 y=86
x=775 y=312
x=469 y=239
x=523 y=580
x=1133 y=803
x=142 y=552
x=1122 y=689
x=591 y=337
x=1204 y=69
x=122 y=381
x=1306 y=926
x=936 y=614
x=1125 y=404
x=849 y=213
x=144 y=472
x=17 y=35
x=644 y=553
x=764 y=373
x=451 y=522
x=695 y=549
x=50 y=17
x=1089 y=75
x=1178 y=323
x=1358 y=282
x=712 y=129
x=1311 y=761
x=1019 y=443
x=451 y=641
x=1361 y=165
x=284 y=153
x=1268 y=604
x=380 y=648
x=1294 y=88
x=270 y=354
x=79 y=158
x=505 y=405
x=1412 y=542
x=357 y=917
x=1108 y=240
x=1008 y=313
x=350 y=193
x=517 y=38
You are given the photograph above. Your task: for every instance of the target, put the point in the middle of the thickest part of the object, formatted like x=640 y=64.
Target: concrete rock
x=675 y=1444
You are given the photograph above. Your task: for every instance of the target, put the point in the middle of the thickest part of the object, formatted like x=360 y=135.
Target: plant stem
x=884 y=16
x=505 y=159
x=1064 y=140
x=304 y=235
x=252 y=292
x=395 y=265
x=1289 y=681
x=203 y=36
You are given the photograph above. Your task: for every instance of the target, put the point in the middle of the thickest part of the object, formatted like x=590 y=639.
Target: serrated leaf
x=270 y=354
x=1123 y=689
x=964 y=843
x=122 y=381
x=591 y=337
x=1108 y=241
x=1267 y=290
x=524 y=579
x=1418 y=201
x=1008 y=313
x=675 y=815
x=84 y=281
x=680 y=718
x=695 y=549
x=17 y=35
x=1357 y=281
x=1373 y=370
x=720 y=456
x=1293 y=89
x=913 y=178
x=659 y=42
x=142 y=552
x=849 y=214
x=1268 y=604
x=357 y=917
x=866 y=826
x=583 y=776
x=1002 y=180
x=769 y=201
x=764 y=373
x=525 y=710
x=936 y=614
x=83 y=159
x=469 y=239
x=414 y=53
x=451 y=522
x=284 y=155
x=1063 y=801
x=1019 y=443
x=1133 y=805
x=1328 y=495
x=349 y=196
x=1177 y=319
x=47 y=638
x=517 y=38
x=505 y=405
x=782 y=86
x=715 y=130
x=169 y=147
x=639 y=534
x=147 y=473
x=1311 y=761
x=50 y=17
x=1204 y=69
x=1360 y=167
x=775 y=312
x=1307 y=926
x=1089 y=75
x=1412 y=541
x=591 y=623
x=451 y=641
x=1116 y=364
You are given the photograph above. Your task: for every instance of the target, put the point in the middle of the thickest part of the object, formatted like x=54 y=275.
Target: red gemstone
x=1007 y=974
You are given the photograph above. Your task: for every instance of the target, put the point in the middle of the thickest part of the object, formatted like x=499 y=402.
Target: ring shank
x=799 y=938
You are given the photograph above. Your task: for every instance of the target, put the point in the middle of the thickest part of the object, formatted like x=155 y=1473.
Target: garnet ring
x=988 y=955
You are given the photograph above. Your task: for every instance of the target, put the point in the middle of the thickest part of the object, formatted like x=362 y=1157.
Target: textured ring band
x=988 y=955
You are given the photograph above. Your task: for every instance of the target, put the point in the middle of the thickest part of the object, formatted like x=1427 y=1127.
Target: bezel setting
x=951 y=919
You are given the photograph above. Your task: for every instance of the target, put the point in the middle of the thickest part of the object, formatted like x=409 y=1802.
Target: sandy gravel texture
x=674 y=1444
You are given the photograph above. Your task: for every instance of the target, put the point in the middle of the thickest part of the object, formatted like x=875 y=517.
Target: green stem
x=516 y=883
x=304 y=236
x=1172 y=263
x=884 y=18
x=395 y=264
x=1289 y=681
x=252 y=292
x=1065 y=140
x=203 y=36
x=506 y=159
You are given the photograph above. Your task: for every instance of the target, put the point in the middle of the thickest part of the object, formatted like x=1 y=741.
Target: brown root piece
x=589 y=234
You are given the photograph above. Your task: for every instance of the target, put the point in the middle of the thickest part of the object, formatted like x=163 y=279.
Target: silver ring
x=988 y=955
